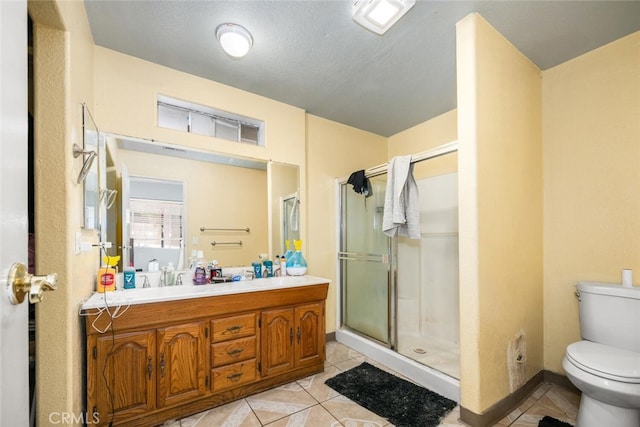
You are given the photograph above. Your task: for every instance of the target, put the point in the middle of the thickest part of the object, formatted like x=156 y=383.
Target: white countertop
x=127 y=297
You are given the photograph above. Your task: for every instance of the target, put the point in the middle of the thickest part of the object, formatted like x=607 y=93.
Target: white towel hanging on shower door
x=401 y=202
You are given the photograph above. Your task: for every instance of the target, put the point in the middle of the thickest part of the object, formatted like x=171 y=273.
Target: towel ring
x=86 y=165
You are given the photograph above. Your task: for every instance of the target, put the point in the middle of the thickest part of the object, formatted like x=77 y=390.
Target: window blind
x=155 y=223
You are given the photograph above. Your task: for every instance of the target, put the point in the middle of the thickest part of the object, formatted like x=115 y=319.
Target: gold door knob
x=20 y=283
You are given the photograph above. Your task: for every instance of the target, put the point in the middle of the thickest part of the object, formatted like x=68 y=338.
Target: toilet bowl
x=605 y=365
x=609 y=379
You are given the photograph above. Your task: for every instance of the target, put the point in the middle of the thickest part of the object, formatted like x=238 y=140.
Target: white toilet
x=605 y=366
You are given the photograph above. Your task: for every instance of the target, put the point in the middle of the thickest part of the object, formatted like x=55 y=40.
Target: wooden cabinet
x=310 y=334
x=167 y=360
x=277 y=341
x=139 y=371
x=122 y=377
x=292 y=337
x=182 y=363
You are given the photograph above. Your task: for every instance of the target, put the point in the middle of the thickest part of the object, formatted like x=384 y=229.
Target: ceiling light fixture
x=234 y=39
x=380 y=15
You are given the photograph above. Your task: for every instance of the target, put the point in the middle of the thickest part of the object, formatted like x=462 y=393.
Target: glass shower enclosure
x=402 y=293
x=365 y=255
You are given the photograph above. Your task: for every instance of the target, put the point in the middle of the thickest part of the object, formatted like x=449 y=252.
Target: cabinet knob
x=162 y=364
x=149 y=367
x=234 y=329
x=234 y=377
x=235 y=352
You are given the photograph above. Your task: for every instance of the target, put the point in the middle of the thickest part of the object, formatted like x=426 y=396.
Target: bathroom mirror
x=156 y=225
x=88 y=174
x=285 y=206
x=228 y=200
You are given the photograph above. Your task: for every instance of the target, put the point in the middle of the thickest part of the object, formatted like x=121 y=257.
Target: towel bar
x=239 y=243
x=225 y=229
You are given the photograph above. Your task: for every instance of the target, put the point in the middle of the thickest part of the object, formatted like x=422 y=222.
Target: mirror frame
x=91 y=184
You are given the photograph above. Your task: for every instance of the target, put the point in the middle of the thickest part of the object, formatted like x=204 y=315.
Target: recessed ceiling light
x=234 y=39
x=380 y=15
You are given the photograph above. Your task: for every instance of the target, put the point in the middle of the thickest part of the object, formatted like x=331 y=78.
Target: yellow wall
x=500 y=186
x=126 y=90
x=591 y=134
x=63 y=66
x=333 y=151
x=425 y=136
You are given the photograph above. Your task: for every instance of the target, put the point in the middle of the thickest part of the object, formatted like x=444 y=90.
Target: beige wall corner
x=333 y=151
x=591 y=129
x=500 y=178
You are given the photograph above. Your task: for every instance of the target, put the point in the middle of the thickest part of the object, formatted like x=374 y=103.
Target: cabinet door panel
x=182 y=363
x=309 y=346
x=124 y=375
x=277 y=341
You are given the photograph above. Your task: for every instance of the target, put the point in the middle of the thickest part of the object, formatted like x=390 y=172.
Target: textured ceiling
x=312 y=55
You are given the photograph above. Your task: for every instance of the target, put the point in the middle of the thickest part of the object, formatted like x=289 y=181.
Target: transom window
x=202 y=120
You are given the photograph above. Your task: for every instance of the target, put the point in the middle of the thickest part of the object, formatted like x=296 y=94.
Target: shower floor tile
x=437 y=354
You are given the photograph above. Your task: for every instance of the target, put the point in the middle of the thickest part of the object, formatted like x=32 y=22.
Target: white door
x=14 y=358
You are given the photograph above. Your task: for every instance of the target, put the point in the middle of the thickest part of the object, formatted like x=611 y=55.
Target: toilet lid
x=606 y=362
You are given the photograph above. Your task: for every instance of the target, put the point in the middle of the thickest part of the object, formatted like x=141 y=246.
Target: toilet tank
x=610 y=314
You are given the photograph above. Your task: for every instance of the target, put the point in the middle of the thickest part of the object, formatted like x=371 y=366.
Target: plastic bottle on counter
x=200 y=274
x=283 y=266
x=129 y=277
x=296 y=264
x=289 y=252
x=268 y=268
x=171 y=274
x=276 y=267
x=106 y=277
x=257 y=269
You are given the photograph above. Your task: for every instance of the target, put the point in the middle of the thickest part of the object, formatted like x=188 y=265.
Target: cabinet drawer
x=233 y=351
x=229 y=328
x=233 y=375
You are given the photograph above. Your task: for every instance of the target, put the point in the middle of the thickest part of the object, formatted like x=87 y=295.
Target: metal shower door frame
x=388 y=258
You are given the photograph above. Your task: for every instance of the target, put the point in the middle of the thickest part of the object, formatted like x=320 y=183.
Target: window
x=201 y=120
x=155 y=223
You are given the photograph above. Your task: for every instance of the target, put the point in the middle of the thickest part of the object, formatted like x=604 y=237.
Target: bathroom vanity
x=166 y=353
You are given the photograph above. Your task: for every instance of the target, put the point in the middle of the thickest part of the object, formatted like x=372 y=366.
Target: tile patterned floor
x=310 y=403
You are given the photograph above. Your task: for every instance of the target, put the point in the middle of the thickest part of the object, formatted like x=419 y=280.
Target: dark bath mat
x=401 y=402
x=548 y=421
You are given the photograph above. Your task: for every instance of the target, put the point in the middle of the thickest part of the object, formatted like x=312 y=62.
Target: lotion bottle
x=106 y=277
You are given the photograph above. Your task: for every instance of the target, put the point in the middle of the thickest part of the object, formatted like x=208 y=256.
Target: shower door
x=365 y=269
